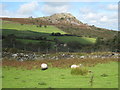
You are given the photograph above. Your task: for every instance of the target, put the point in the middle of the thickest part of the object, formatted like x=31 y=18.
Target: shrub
x=79 y=71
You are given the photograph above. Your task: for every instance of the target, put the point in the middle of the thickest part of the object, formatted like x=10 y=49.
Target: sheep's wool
x=43 y=65
x=74 y=66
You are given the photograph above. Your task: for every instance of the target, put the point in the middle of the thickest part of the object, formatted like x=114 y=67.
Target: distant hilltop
x=64 y=18
x=69 y=24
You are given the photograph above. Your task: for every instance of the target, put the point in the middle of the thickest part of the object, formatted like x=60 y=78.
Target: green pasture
x=21 y=34
x=25 y=27
x=64 y=39
x=26 y=41
x=34 y=31
x=83 y=40
x=105 y=76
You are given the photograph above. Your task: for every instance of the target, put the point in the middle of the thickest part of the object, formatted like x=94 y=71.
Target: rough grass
x=83 y=40
x=62 y=63
x=79 y=71
x=105 y=76
x=24 y=27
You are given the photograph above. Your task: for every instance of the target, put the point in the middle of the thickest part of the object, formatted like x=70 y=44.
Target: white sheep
x=44 y=66
x=76 y=66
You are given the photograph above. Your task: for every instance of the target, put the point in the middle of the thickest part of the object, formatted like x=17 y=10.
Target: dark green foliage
x=56 y=34
x=52 y=33
x=10 y=40
x=74 y=45
x=42 y=38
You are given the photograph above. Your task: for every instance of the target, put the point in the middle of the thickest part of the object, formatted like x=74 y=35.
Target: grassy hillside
x=83 y=40
x=69 y=24
x=27 y=30
x=26 y=27
x=64 y=39
x=88 y=31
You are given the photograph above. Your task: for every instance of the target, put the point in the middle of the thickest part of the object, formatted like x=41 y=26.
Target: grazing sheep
x=74 y=66
x=44 y=66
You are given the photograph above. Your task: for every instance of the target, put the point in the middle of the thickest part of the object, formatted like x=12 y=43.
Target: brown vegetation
x=55 y=63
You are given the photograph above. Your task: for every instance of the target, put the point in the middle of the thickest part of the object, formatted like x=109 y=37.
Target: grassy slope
x=18 y=26
x=91 y=31
x=83 y=40
x=60 y=78
x=64 y=39
x=33 y=31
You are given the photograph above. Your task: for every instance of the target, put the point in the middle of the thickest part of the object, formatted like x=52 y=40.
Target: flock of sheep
x=44 y=66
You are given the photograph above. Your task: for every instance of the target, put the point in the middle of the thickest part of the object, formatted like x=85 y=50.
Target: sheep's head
x=81 y=65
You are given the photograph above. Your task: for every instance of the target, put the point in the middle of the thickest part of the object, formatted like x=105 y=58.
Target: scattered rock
x=35 y=56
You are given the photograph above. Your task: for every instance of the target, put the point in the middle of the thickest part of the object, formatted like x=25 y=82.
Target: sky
x=100 y=14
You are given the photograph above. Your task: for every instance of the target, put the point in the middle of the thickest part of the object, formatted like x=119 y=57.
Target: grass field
x=64 y=39
x=34 y=31
x=24 y=27
x=83 y=40
x=105 y=76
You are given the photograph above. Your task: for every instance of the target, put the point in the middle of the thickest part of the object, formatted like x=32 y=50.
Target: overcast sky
x=101 y=14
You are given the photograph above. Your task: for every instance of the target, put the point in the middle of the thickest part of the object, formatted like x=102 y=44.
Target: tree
x=10 y=39
x=98 y=41
x=44 y=46
x=57 y=34
x=52 y=33
x=74 y=45
x=115 y=43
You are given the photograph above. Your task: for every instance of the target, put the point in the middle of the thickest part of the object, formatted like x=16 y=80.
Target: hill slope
x=24 y=27
x=69 y=24
x=30 y=32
